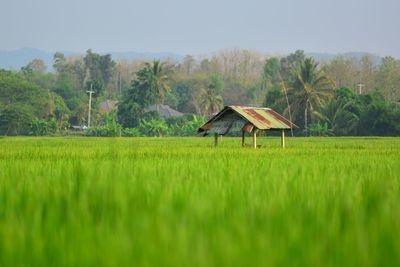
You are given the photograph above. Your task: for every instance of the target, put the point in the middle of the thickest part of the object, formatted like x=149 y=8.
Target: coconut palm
x=336 y=113
x=211 y=101
x=156 y=76
x=308 y=91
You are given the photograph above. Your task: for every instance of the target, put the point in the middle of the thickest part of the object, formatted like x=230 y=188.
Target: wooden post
x=215 y=139
x=283 y=138
x=243 y=143
x=255 y=138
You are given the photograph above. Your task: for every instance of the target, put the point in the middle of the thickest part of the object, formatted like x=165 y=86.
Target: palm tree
x=308 y=91
x=336 y=113
x=211 y=101
x=156 y=76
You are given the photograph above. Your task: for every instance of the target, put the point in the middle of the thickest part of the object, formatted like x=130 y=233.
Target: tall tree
x=270 y=72
x=99 y=70
x=156 y=76
x=20 y=102
x=211 y=100
x=389 y=78
x=289 y=62
x=344 y=71
x=36 y=65
x=309 y=89
x=150 y=87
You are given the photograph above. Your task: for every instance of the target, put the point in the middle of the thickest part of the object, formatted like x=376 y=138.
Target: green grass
x=181 y=202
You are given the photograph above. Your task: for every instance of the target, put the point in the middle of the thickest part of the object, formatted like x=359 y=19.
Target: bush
x=131 y=132
x=15 y=119
x=41 y=127
x=185 y=126
x=154 y=127
x=111 y=127
x=319 y=129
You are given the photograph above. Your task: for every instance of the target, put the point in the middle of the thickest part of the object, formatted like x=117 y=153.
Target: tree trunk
x=305 y=120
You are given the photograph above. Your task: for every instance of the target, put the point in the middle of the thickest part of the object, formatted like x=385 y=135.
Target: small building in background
x=246 y=119
x=164 y=111
x=107 y=106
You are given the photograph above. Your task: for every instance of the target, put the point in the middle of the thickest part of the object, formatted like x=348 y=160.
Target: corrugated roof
x=261 y=118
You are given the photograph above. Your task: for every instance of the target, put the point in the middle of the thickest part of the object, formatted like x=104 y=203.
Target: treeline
x=344 y=96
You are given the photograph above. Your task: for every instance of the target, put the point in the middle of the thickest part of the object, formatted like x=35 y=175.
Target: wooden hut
x=246 y=119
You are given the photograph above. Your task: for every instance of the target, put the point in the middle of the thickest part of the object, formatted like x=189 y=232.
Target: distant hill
x=16 y=59
x=20 y=57
x=326 y=57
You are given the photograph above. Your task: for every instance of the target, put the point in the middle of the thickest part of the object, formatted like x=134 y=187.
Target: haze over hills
x=15 y=59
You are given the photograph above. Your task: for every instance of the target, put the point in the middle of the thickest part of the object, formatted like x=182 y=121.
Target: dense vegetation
x=181 y=202
x=344 y=96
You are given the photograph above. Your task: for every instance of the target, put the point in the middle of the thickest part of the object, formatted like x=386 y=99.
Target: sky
x=202 y=26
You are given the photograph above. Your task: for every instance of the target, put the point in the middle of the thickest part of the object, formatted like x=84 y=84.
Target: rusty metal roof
x=259 y=117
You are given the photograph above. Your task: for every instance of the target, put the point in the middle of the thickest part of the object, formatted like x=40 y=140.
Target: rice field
x=181 y=202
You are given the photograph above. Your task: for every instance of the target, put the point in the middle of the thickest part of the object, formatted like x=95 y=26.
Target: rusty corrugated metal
x=261 y=118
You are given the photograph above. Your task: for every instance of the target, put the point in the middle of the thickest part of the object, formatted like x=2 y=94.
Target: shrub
x=131 y=132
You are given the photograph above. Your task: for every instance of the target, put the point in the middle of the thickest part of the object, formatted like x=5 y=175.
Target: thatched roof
x=164 y=111
x=107 y=106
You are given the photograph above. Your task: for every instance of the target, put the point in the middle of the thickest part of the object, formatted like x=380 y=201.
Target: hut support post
x=255 y=138
x=215 y=139
x=283 y=138
x=243 y=143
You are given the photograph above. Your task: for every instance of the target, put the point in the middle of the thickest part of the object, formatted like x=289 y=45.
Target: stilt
x=255 y=138
x=283 y=138
x=243 y=143
x=215 y=139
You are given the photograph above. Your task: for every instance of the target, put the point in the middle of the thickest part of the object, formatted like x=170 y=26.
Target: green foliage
x=377 y=116
x=110 y=127
x=388 y=78
x=175 y=126
x=131 y=132
x=150 y=87
x=100 y=70
x=185 y=126
x=65 y=88
x=215 y=84
x=42 y=128
x=15 y=119
x=184 y=90
x=211 y=100
x=273 y=100
x=290 y=62
x=61 y=112
x=14 y=89
x=270 y=72
x=319 y=129
x=308 y=91
x=153 y=127
x=129 y=109
x=202 y=86
x=20 y=102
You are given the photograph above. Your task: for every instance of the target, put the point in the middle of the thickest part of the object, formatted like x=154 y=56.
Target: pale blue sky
x=202 y=26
